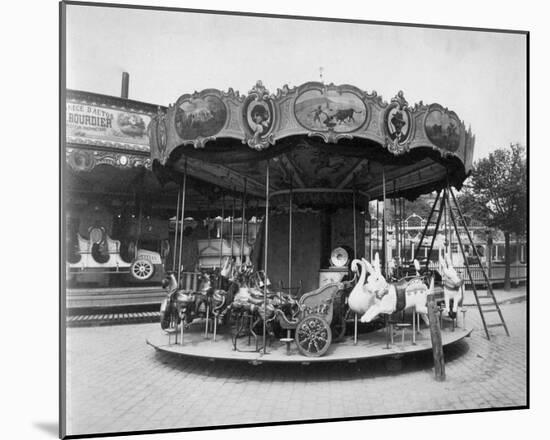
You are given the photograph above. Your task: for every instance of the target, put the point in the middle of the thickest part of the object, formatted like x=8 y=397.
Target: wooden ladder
x=457 y=219
x=486 y=307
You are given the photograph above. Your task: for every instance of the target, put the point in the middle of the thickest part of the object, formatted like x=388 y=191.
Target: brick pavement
x=117 y=383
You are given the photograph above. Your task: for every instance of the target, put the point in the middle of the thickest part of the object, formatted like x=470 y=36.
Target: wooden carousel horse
x=388 y=298
x=453 y=286
x=179 y=305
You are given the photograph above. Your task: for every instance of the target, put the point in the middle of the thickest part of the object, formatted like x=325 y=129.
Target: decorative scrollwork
x=330 y=137
x=398 y=125
x=258 y=118
x=199 y=142
x=86 y=160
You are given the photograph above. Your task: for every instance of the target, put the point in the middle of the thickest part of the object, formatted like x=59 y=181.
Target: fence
x=518 y=273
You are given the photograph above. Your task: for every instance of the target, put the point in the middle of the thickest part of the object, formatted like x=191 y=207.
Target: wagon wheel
x=313 y=336
x=142 y=269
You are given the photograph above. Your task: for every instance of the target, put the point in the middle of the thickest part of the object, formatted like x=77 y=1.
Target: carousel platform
x=368 y=346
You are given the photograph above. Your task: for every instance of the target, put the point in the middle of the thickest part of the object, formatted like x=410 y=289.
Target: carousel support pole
x=215 y=328
x=183 y=192
x=182 y=219
x=395 y=222
x=181 y=336
x=243 y=224
x=176 y=229
x=414 y=326
x=377 y=228
x=384 y=242
x=354 y=256
x=367 y=213
x=232 y=224
x=403 y=239
x=446 y=244
x=221 y=240
x=354 y=227
x=387 y=328
x=355 y=329
x=290 y=239
x=207 y=320
x=265 y=252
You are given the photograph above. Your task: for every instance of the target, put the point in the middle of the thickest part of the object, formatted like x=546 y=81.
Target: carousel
x=305 y=282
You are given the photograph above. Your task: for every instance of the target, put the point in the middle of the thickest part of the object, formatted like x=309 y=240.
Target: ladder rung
x=495 y=325
x=484 y=296
x=490 y=310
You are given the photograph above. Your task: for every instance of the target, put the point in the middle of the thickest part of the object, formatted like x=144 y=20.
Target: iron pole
x=182 y=218
x=265 y=249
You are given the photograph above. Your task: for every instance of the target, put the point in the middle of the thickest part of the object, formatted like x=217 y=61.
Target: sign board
x=106 y=126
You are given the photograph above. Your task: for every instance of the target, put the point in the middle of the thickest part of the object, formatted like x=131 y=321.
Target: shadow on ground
x=51 y=428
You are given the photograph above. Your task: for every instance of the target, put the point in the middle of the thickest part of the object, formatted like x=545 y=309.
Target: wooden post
x=437 y=345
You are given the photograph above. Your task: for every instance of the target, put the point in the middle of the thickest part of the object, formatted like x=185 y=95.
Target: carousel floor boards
x=369 y=345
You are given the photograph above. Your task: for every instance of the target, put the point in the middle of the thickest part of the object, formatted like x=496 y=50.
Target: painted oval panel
x=204 y=116
x=443 y=129
x=341 y=112
x=398 y=124
x=258 y=116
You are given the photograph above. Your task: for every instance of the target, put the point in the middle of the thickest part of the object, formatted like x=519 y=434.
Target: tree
x=496 y=194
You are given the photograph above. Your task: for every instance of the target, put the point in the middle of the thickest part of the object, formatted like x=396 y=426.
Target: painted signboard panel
x=319 y=110
x=101 y=125
x=200 y=116
x=443 y=128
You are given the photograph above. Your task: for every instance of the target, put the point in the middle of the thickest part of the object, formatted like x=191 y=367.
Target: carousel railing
x=518 y=273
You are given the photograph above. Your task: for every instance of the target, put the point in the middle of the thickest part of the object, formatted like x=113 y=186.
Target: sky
x=479 y=75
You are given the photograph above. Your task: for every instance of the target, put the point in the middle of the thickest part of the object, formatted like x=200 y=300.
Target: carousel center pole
x=265 y=251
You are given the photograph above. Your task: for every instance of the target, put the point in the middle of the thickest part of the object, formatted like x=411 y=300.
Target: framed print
x=272 y=219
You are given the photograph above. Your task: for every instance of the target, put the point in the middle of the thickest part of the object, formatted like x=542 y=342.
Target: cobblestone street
x=116 y=382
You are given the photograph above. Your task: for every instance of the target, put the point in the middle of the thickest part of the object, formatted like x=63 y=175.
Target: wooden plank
x=437 y=345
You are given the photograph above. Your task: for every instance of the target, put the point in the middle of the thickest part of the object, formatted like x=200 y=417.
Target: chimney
x=125 y=85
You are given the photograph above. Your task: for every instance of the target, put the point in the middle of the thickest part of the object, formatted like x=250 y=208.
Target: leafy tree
x=496 y=194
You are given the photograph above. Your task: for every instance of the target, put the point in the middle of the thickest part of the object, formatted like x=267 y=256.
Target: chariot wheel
x=142 y=269
x=313 y=336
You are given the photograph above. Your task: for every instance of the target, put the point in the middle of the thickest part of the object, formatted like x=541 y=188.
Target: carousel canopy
x=325 y=142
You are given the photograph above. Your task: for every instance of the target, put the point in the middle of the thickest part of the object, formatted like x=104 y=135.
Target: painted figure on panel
x=443 y=129
x=200 y=117
x=341 y=112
